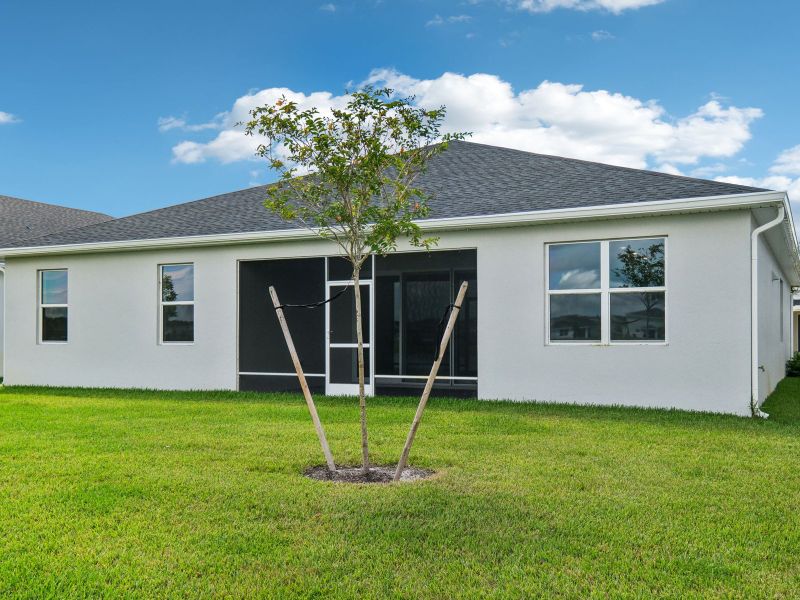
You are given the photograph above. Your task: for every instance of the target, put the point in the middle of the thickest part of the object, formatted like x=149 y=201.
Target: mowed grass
x=152 y=494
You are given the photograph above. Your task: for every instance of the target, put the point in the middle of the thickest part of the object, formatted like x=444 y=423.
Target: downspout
x=755 y=367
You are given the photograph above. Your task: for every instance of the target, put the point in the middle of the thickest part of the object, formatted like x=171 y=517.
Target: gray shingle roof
x=24 y=220
x=467 y=180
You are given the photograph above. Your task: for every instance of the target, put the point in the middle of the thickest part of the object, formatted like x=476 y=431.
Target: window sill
x=606 y=345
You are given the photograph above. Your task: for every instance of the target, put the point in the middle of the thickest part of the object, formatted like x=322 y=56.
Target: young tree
x=349 y=176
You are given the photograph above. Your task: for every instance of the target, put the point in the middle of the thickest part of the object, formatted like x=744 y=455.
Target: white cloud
x=551 y=118
x=788 y=163
x=169 y=123
x=713 y=130
x=669 y=169
x=7 y=118
x=775 y=183
x=709 y=170
x=784 y=175
x=566 y=119
x=601 y=35
x=439 y=20
x=329 y=7
x=579 y=279
x=613 y=6
x=779 y=183
x=231 y=145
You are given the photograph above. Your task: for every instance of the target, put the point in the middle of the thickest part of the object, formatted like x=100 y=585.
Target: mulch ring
x=376 y=474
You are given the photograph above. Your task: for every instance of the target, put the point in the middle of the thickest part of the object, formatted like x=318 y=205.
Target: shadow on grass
x=783 y=405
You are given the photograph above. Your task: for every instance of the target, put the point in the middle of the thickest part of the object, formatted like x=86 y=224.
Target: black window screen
x=425 y=298
x=262 y=348
x=343 y=315
x=412 y=291
x=341 y=269
x=344 y=365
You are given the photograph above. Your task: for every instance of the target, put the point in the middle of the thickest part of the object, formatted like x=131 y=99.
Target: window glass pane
x=344 y=365
x=575 y=317
x=54 y=324
x=343 y=315
x=178 y=323
x=637 y=316
x=636 y=263
x=54 y=287
x=575 y=266
x=177 y=283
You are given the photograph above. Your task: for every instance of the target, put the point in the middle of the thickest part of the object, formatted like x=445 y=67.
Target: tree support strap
x=440 y=329
x=315 y=304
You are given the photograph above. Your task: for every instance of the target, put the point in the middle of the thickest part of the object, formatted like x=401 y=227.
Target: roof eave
x=625 y=210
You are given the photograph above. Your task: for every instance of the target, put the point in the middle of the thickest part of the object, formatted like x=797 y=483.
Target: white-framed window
x=606 y=291
x=176 y=299
x=53 y=306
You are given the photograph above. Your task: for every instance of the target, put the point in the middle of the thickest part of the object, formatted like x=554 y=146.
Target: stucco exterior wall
x=704 y=365
x=774 y=320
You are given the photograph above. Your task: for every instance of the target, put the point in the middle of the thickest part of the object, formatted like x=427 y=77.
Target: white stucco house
x=589 y=283
x=22 y=220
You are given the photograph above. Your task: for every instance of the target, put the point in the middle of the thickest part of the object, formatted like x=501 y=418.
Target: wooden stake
x=303 y=383
x=431 y=378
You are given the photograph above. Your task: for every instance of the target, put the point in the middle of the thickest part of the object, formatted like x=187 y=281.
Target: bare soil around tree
x=376 y=474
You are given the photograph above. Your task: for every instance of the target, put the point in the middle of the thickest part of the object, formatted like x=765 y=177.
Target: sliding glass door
x=412 y=294
x=342 y=340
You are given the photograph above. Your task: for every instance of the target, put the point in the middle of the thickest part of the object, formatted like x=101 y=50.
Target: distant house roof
x=22 y=221
x=467 y=180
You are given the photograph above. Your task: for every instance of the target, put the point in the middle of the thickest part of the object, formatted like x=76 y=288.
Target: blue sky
x=125 y=107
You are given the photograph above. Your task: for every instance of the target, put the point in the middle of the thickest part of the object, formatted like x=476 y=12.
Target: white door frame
x=350 y=389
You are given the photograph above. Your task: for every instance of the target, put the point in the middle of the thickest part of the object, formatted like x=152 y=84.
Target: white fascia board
x=610 y=211
x=790 y=235
x=783 y=242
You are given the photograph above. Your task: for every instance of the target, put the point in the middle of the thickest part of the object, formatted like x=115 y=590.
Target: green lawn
x=145 y=494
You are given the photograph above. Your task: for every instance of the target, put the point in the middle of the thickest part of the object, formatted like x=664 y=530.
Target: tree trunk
x=362 y=401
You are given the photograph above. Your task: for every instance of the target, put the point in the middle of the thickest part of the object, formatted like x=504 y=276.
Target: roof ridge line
x=170 y=206
x=608 y=165
x=51 y=205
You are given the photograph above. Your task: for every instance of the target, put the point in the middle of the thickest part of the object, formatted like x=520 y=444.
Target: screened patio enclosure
x=404 y=297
